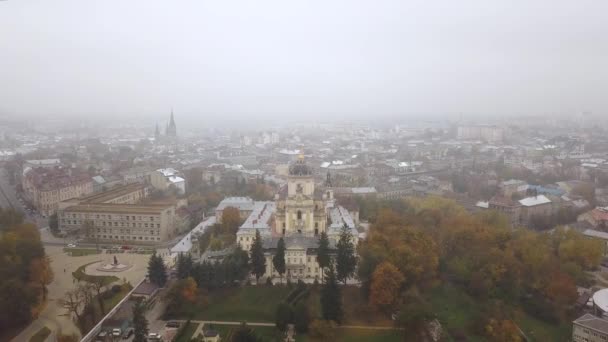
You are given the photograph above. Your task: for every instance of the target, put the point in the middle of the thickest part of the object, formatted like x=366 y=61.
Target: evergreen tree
x=157 y=272
x=301 y=317
x=346 y=260
x=331 y=297
x=184 y=266
x=323 y=253
x=140 y=324
x=284 y=316
x=279 y=258
x=245 y=334
x=258 y=261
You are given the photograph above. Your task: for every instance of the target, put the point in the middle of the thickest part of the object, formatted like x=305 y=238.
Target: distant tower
x=328 y=180
x=157 y=132
x=171 y=129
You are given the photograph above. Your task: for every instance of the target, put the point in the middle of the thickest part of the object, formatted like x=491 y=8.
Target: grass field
x=186 y=334
x=265 y=333
x=76 y=252
x=81 y=276
x=456 y=310
x=357 y=335
x=41 y=335
x=248 y=303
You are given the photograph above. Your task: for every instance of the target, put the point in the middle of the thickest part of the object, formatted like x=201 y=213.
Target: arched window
x=299 y=215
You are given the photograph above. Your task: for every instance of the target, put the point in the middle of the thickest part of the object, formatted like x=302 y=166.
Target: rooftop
x=111 y=194
x=534 y=200
x=118 y=208
x=241 y=203
x=592 y=322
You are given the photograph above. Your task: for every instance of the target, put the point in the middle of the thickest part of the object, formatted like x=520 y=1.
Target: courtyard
x=54 y=316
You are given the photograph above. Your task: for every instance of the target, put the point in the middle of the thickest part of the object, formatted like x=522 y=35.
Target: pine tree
x=331 y=297
x=157 y=272
x=283 y=316
x=279 y=258
x=180 y=266
x=140 y=324
x=301 y=317
x=323 y=253
x=258 y=261
x=346 y=260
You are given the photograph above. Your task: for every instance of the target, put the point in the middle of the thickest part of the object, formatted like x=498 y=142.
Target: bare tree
x=73 y=302
x=97 y=285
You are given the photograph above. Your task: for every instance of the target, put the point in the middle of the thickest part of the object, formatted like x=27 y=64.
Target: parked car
x=127 y=333
x=173 y=324
x=102 y=336
x=71 y=245
x=154 y=337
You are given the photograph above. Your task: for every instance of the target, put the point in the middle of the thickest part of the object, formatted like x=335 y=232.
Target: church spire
x=171 y=127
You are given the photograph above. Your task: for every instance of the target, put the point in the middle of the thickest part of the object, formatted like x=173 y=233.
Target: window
x=299 y=215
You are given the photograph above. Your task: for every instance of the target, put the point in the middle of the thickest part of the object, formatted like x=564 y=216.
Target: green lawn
x=358 y=335
x=456 y=310
x=248 y=303
x=186 y=334
x=76 y=252
x=81 y=276
x=41 y=335
x=270 y=334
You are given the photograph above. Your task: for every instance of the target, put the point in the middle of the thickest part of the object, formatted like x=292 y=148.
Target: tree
x=140 y=324
x=284 y=316
x=502 y=330
x=413 y=316
x=386 y=283
x=323 y=257
x=301 y=317
x=73 y=302
x=157 y=272
x=231 y=220
x=184 y=266
x=245 y=334
x=331 y=297
x=322 y=330
x=258 y=261
x=54 y=224
x=181 y=296
x=346 y=260
x=97 y=284
x=278 y=260
x=41 y=273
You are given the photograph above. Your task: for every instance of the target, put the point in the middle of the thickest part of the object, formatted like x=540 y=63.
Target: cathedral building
x=300 y=213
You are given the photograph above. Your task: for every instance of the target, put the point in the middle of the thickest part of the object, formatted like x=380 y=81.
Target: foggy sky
x=227 y=60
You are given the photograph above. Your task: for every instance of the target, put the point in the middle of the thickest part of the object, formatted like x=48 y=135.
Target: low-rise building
x=163 y=179
x=46 y=187
x=245 y=206
x=589 y=328
x=119 y=215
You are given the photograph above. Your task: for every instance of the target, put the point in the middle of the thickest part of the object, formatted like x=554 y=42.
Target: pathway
x=54 y=316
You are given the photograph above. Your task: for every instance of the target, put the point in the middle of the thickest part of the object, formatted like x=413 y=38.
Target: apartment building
x=120 y=223
x=119 y=215
x=46 y=187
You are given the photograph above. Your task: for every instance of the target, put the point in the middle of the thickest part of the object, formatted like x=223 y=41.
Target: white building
x=163 y=179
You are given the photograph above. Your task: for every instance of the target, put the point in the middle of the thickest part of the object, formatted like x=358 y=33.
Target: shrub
x=301 y=317
x=322 y=330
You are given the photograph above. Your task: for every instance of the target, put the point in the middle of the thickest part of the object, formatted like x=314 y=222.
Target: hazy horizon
x=269 y=60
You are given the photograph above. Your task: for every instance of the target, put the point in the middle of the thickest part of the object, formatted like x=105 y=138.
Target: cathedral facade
x=300 y=213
